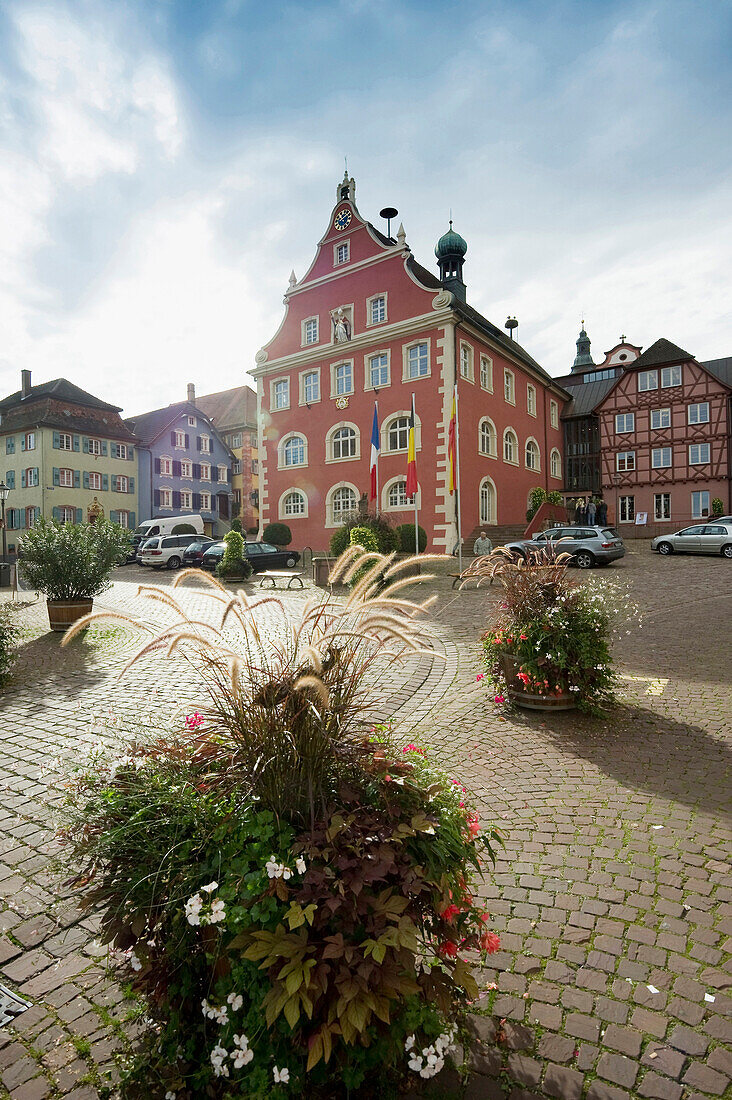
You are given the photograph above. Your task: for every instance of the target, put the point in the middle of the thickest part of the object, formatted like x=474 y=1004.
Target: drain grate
x=11 y=1005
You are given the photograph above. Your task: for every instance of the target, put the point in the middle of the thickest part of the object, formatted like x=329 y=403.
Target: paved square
x=612 y=895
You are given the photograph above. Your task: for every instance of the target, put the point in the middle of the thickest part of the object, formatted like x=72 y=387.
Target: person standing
x=602 y=512
x=579 y=512
x=591 y=511
x=482 y=545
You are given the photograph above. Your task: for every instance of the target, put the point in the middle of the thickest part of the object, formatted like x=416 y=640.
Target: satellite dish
x=388 y=212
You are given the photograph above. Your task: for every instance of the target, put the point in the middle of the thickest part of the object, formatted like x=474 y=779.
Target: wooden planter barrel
x=531 y=700
x=63 y=613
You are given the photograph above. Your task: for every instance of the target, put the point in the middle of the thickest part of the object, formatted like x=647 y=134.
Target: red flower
x=484 y=917
x=450 y=912
x=489 y=942
x=448 y=949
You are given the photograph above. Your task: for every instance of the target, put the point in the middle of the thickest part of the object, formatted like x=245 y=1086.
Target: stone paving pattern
x=614 y=876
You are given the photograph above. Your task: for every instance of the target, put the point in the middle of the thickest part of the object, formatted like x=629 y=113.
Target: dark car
x=588 y=545
x=193 y=554
x=260 y=555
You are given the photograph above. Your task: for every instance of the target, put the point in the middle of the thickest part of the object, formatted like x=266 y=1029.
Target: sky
x=165 y=164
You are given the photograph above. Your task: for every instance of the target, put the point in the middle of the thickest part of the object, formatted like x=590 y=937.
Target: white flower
x=169 y=1095
x=282 y=1076
x=210 y=888
x=236 y=1001
x=135 y=962
x=409 y=1043
x=218 y=912
x=301 y=866
x=193 y=909
x=241 y=1041
x=241 y=1058
x=272 y=867
x=218 y=1056
x=221 y=1015
x=286 y=873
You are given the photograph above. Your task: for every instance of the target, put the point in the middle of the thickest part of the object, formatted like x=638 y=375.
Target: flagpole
x=378 y=499
x=458 y=500
x=416 y=515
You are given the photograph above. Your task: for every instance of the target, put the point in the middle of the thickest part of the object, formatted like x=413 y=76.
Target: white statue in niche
x=341 y=327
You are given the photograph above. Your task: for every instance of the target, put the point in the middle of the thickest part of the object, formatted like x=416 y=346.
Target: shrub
x=279 y=534
x=386 y=536
x=69 y=561
x=717 y=507
x=555 y=498
x=234 y=565
x=9 y=634
x=184 y=529
x=537 y=496
x=236 y=525
x=405 y=535
x=250 y=960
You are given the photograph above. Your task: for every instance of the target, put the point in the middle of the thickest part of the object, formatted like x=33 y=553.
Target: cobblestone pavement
x=612 y=894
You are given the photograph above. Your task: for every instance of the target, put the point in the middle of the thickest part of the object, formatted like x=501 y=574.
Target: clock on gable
x=342 y=219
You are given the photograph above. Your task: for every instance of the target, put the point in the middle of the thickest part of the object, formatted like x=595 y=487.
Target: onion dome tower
x=583 y=358
x=450 y=253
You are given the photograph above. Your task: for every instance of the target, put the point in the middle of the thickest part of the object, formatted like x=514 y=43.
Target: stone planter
x=63 y=613
x=531 y=700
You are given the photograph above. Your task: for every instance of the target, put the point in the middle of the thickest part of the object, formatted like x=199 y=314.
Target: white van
x=162 y=525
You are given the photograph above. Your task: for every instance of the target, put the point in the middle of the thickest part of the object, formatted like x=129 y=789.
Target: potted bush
x=309 y=927
x=233 y=565
x=549 y=645
x=279 y=534
x=71 y=563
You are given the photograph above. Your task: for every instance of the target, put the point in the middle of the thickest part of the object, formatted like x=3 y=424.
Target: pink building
x=367 y=324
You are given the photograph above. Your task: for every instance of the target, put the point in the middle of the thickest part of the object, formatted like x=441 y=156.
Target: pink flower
x=523 y=637
x=489 y=942
x=450 y=912
x=499 y=699
x=193 y=721
x=480 y=676
x=448 y=949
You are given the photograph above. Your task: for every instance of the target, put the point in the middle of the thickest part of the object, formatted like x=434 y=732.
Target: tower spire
x=583 y=358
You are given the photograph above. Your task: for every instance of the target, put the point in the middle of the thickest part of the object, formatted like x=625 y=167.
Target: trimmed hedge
x=279 y=534
x=405 y=534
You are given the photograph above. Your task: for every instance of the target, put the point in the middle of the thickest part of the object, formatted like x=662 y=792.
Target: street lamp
x=616 y=482
x=4 y=492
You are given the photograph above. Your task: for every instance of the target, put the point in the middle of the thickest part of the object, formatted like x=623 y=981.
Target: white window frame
x=30 y=441
x=537 y=468
x=330 y=518
x=555 y=464
x=62 y=437
x=697 y=405
x=330 y=442
x=305 y=342
x=186 y=468
x=123 y=518
x=485 y=483
x=486 y=422
x=406 y=348
x=388 y=489
x=662 y=513
x=699 y=460
x=647 y=381
x=703 y=512
x=223 y=474
x=166 y=497
x=95 y=481
x=66 y=478
x=67 y=514
x=122 y=483
x=659 y=414
x=622 y=459
x=530 y=399
x=334 y=383
x=274 y=391
x=166 y=466
x=205 y=466
x=304 y=375
x=554 y=414
x=669 y=376
x=467 y=359
x=370 y=319
x=626 y=506
x=386 y=428
x=95 y=447
x=659 y=456
x=382 y=353
x=186 y=500
x=338 y=261
x=509 y=386
x=282 y=511
x=282 y=448
x=180 y=440
x=621 y=423
x=236 y=466
x=205 y=444
x=236 y=441
x=191 y=421
x=205 y=501
x=120 y=450
x=509 y=431
x=486 y=373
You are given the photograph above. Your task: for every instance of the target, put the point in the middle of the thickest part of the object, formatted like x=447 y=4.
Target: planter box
x=63 y=613
x=530 y=700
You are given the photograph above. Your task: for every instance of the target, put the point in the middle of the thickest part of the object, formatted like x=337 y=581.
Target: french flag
x=375 y=448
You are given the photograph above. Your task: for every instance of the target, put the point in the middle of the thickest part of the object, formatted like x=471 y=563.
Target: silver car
x=588 y=545
x=701 y=538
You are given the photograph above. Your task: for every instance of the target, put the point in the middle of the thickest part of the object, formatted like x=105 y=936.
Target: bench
x=276 y=575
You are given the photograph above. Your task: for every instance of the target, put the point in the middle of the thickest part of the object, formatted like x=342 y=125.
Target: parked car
x=588 y=545
x=701 y=538
x=140 y=547
x=193 y=554
x=720 y=519
x=166 y=550
x=261 y=555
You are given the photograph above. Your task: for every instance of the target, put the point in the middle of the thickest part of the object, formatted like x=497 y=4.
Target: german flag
x=412 y=484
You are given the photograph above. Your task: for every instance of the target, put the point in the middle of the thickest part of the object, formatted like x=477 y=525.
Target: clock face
x=342 y=219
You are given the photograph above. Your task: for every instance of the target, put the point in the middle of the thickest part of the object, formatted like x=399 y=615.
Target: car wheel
x=665 y=548
x=726 y=551
x=584 y=559
x=290 y=562
x=173 y=563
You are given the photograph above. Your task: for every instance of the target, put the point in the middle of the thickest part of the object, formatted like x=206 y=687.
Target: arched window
x=487 y=501
x=397 y=496
x=294 y=503
x=533 y=458
x=344 y=443
x=510 y=446
x=294 y=451
x=555 y=463
x=343 y=502
x=487 y=437
x=397 y=434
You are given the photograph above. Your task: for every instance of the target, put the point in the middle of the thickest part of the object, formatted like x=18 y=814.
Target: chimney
x=191 y=393
x=25 y=384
